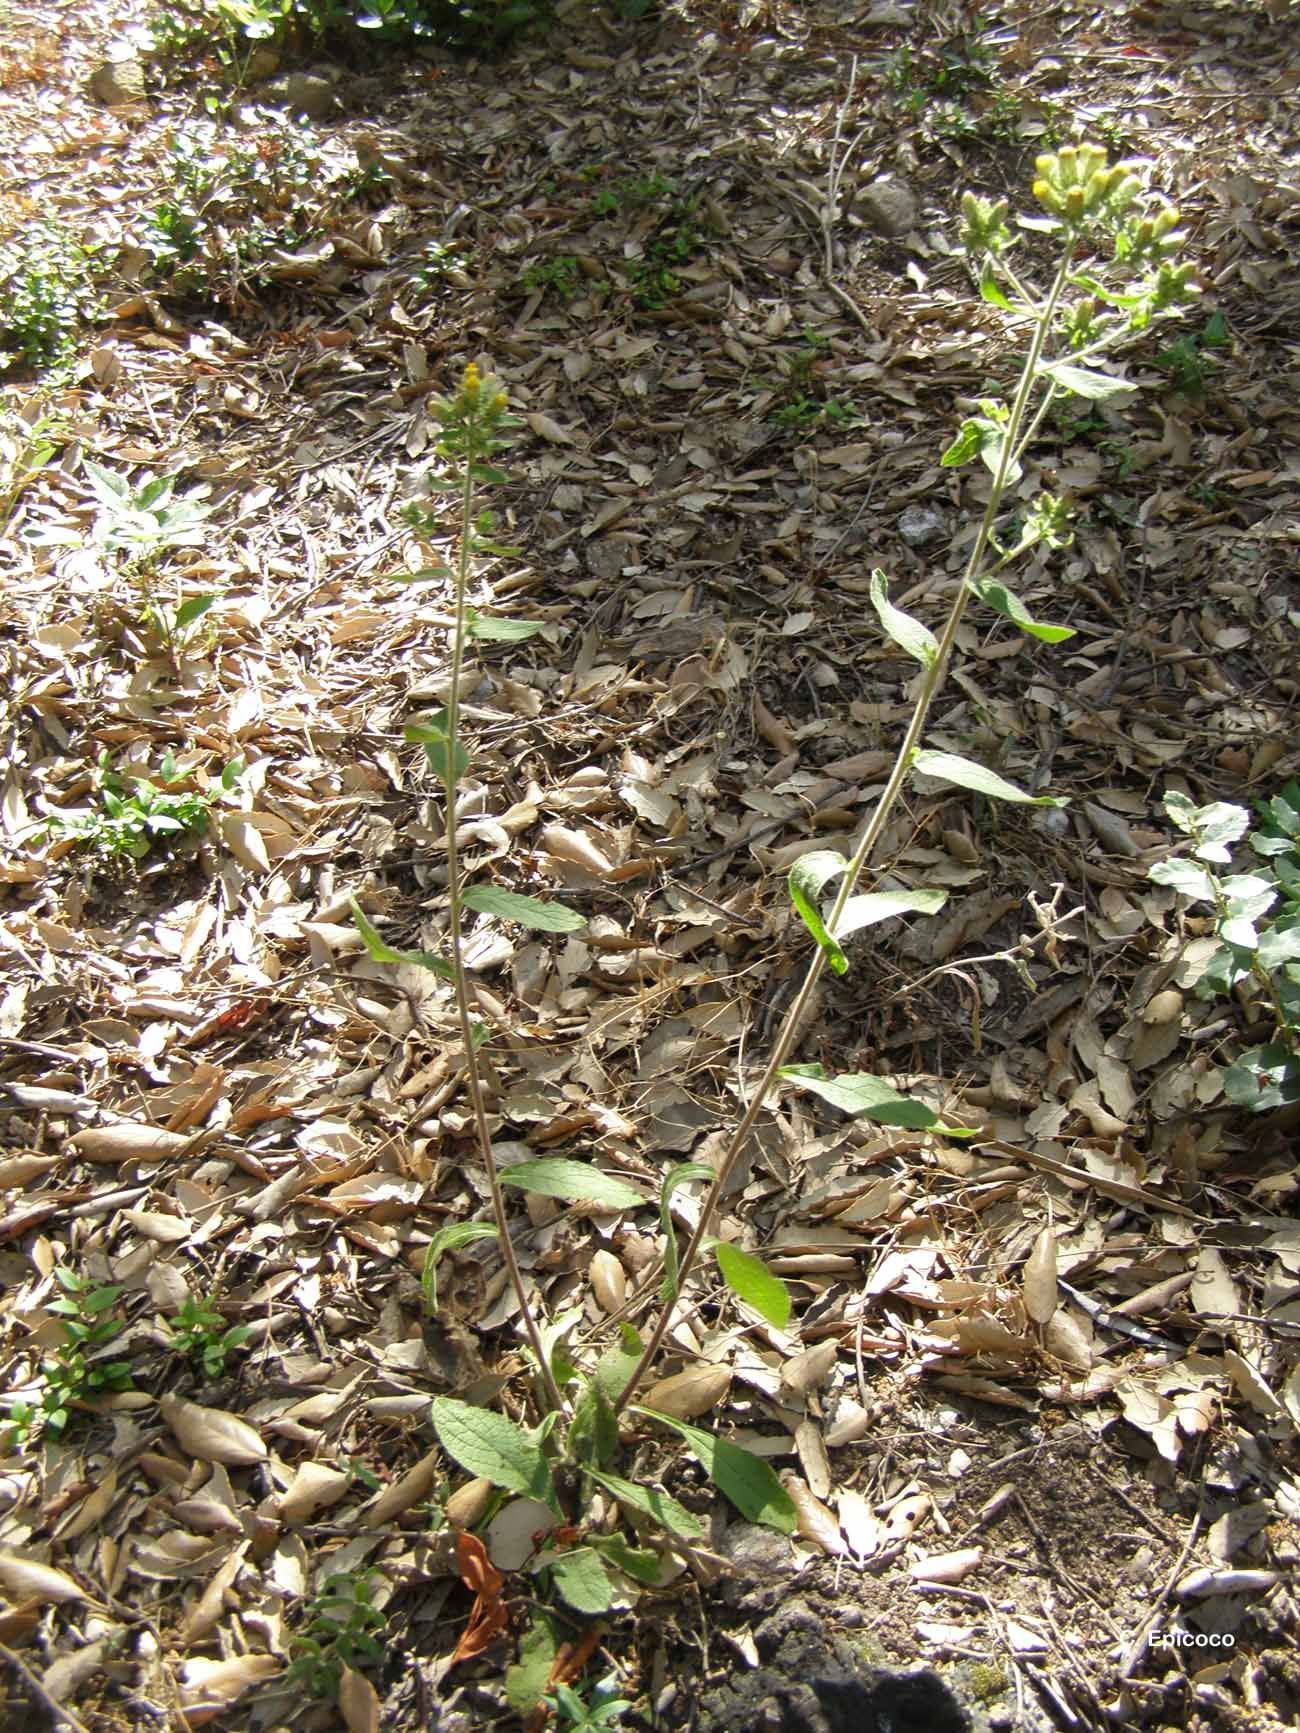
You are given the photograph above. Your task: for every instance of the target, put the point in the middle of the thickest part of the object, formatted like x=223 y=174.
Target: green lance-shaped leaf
x=676 y=1176
x=750 y=1280
x=965 y=773
x=447 y=757
x=859 y=1092
x=873 y=906
x=573 y=1181
x=527 y=911
x=746 y=1480
x=383 y=952
x=1084 y=382
x=807 y=876
x=449 y=1239
x=643 y=1564
x=425 y=575
x=665 y=1510
x=193 y=610
x=495 y=630
x=491 y=1445
x=1005 y=602
x=909 y=634
x=582 y=1581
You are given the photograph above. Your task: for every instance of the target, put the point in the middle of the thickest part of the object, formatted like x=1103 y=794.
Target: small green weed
x=343 y=1629
x=806 y=403
x=440 y=261
x=605 y=1710
x=1257 y=922
x=47 y=289
x=131 y=820
x=198 y=1330
x=1186 y=362
x=560 y=277
x=143 y=522
x=29 y=440
x=72 y=1375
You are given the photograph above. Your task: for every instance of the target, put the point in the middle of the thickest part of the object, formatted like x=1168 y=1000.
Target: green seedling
x=74 y=1374
x=344 y=1628
x=136 y=814
x=198 y=1329
x=1257 y=923
x=1114 y=273
x=560 y=277
x=1186 y=362
x=143 y=523
x=29 y=442
x=47 y=291
x=604 y=1710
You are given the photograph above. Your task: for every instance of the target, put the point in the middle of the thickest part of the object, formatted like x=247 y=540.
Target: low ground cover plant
x=1101 y=270
x=47 y=291
x=136 y=814
x=76 y=1371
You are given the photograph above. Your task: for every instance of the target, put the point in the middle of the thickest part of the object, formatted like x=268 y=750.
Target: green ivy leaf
x=1264 y=1078
x=527 y=911
x=860 y=1092
x=909 y=634
x=746 y=1480
x=573 y=1181
x=491 y=1445
x=965 y=773
x=1005 y=602
x=807 y=876
x=449 y=1239
x=750 y=1280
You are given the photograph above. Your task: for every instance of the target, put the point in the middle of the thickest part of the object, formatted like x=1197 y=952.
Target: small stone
x=263 y=63
x=118 y=82
x=888 y=207
x=311 y=94
x=919 y=524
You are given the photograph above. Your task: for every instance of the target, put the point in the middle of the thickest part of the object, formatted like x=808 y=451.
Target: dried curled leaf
x=23 y=1579
x=815 y=1522
x=314 y=1487
x=688 y=1394
x=608 y=1281
x=211 y=1434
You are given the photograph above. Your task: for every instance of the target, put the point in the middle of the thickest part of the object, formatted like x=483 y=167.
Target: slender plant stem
x=463 y=1009
x=932 y=680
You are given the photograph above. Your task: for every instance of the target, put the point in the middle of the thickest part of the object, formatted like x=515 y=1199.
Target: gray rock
x=888 y=207
x=918 y=524
x=757 y=1551
x=119 y=81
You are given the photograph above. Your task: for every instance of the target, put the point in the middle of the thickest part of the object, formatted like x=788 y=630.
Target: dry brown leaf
x=212 y=1434
x=691 y=1393
x=1038 y=1279
x=358 y=1702
x=410 y=1489
x=946 y=1567
x=861 y=1527
x=22 y=1579
x=314 y=1487
x=127 y=1142
x=808 y=1371
x=608 y=1281
x=209 y=1687
x=576 y=848
x=814 y=1521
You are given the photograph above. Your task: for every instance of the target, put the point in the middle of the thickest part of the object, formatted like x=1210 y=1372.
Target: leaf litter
x=1037 y=1390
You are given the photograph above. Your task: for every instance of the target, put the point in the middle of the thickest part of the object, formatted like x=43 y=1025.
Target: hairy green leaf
x=527 y=1680
x=582 y=1581
x=495 y=630
x=860 y=1092
x=807 y=876
x=449 y=1239
x=383 y=952
x=909 y=634
x=665 y=1510
x=965 y=773
x=447 y=757
x=527 y=911
x=1005 y=602
x=574 y=1181
x=873 y=906
x=1083 y=382
x=488 y=1444
x=746 y=1480
x=750 y=1280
